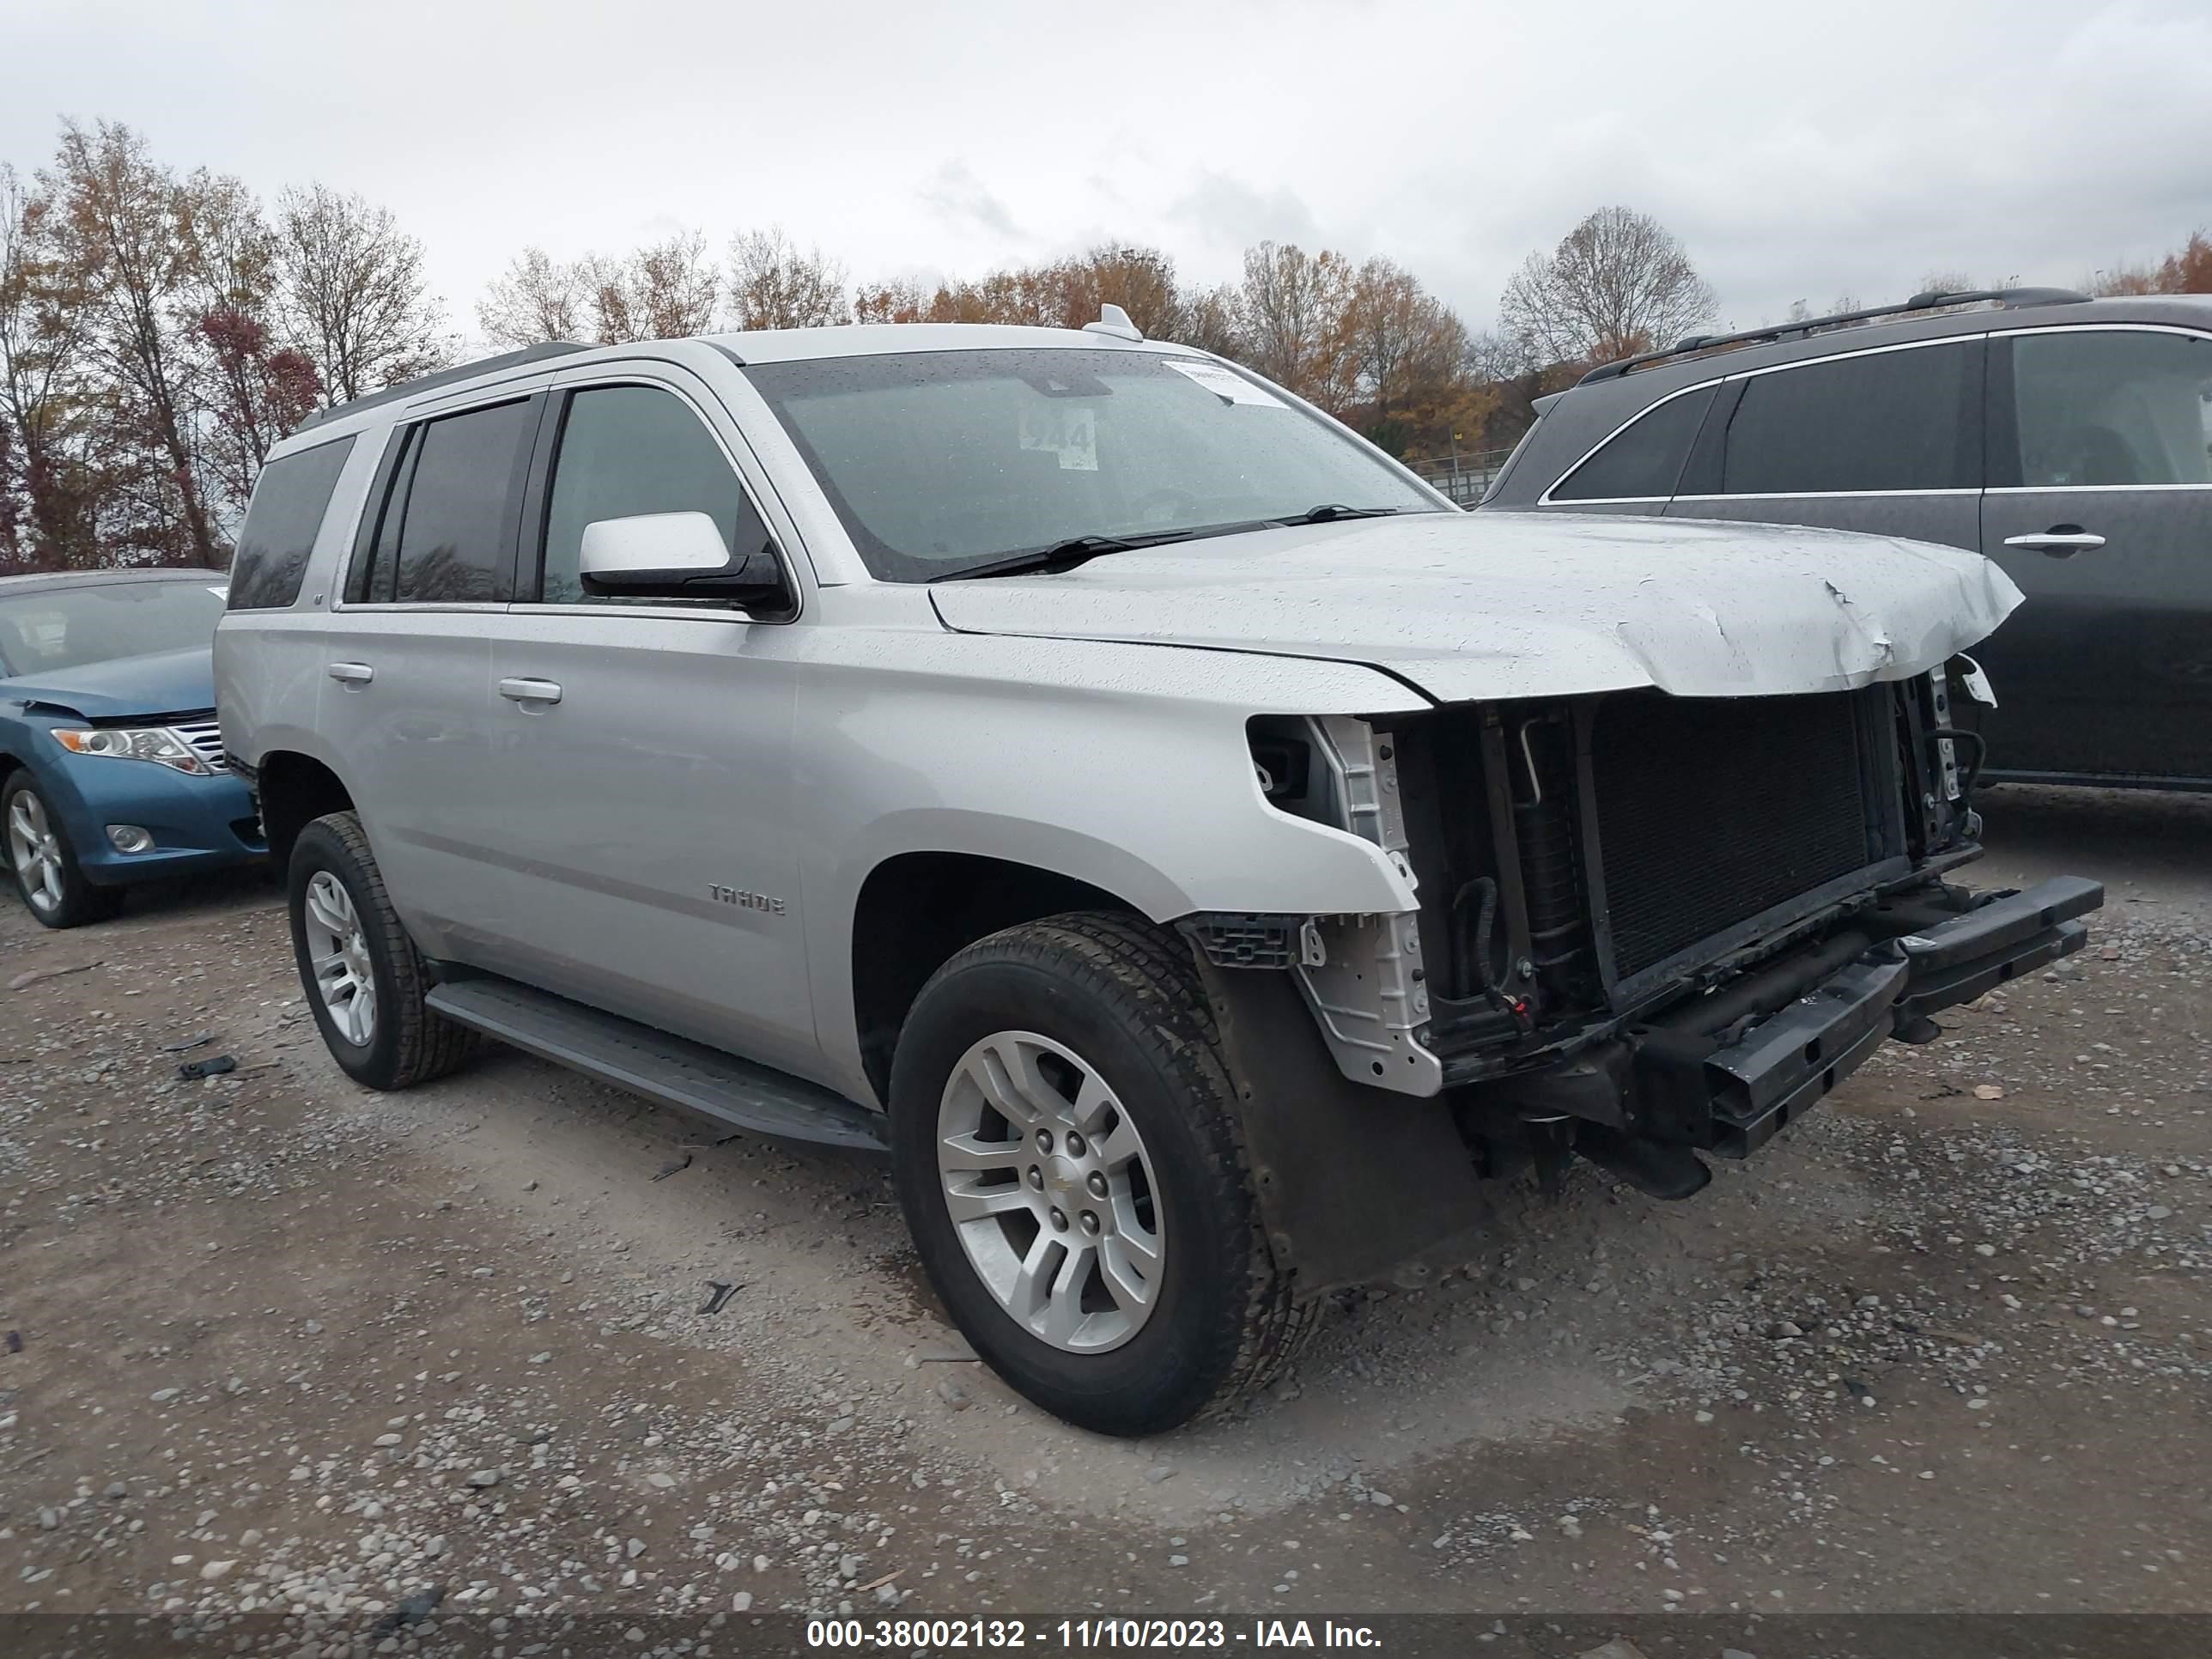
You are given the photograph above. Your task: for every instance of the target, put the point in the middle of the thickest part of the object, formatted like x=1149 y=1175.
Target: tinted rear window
x=444 y=536
x=1646 y=458
x=290 y=499
x=1890 y=420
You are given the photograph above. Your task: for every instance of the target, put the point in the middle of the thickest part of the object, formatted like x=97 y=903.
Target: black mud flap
x=1356 y=1185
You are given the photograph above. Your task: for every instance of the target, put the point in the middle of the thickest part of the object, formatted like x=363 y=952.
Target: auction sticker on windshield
x=1228 y=386
x=1068 y=430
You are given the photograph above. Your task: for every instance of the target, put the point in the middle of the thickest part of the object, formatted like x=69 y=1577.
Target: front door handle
x=350 y=673
x=520 y=691
x=2061 y=541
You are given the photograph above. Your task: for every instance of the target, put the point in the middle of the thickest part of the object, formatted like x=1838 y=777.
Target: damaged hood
x=1475 y=606
x=123 y=688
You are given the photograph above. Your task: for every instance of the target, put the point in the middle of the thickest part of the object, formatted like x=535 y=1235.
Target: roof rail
x=2015 y=298
x=443 y=377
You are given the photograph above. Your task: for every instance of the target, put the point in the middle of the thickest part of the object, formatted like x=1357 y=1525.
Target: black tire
x=81 y=901
x=1123 y=996
x=407 y=1043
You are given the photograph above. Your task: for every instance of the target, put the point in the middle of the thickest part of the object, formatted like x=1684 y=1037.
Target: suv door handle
x=350 y=673
x=530 y=691
x=2060 y=541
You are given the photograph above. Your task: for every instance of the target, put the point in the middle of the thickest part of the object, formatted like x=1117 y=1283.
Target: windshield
x=58 y=627
x=939 y=460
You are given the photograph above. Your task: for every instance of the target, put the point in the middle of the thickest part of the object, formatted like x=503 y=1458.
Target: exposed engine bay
x=1649 y=926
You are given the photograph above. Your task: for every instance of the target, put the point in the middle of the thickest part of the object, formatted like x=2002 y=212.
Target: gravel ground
x=520 y=1347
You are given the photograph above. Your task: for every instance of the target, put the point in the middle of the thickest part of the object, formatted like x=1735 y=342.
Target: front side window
x=2112 y=407
x=442 y=537
x=290 y=499
x=632 y=449
x=940 y=461
x=1645 y=460
x=54 y=629
x=1884 y=421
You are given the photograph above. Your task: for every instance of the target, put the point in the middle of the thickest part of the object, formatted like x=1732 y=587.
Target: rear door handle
x=2058 y=543
x=351 y=673
x=519 y=690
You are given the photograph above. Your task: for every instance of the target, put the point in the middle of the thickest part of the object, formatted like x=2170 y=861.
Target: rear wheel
x=44 y=865
x=364 y=980
x=1066 y=1152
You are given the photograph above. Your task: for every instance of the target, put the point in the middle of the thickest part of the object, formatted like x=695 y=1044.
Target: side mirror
x=671 y=555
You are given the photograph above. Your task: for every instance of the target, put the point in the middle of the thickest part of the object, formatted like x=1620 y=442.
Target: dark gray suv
x=2068 y=439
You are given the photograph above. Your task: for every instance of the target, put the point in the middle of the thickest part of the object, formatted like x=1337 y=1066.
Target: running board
x=687 y=1075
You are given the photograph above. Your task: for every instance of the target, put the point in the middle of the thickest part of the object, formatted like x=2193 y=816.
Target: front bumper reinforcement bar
x=1728 y=1092
x=1725 y=1082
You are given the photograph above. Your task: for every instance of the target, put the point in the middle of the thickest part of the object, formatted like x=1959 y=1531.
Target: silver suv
x=1197 y=852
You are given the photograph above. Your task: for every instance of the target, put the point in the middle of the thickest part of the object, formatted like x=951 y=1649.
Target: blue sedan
x=112 y=769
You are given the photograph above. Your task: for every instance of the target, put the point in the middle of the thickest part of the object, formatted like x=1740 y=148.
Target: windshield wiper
x=1328 y=511
x=1080 y=550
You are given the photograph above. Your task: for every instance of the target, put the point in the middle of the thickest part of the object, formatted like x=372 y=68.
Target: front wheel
x=44 y=865
x=1065 y=1140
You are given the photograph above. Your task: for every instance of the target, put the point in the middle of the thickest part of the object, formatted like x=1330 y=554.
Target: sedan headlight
x=157 y=744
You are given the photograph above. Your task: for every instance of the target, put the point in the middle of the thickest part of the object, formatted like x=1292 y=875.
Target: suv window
x=1645 y=460
x=2108 y=406
x=632 y=449
x=442 y=537
x=290 y=499
x=1883 y=421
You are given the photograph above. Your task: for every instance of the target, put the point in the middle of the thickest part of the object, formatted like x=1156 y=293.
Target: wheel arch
x=915 y=910
x=294 y=790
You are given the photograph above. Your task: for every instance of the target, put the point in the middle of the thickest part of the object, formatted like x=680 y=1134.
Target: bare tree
x=774 y=284
x=352 y=295
x=1618 y=284
x=676 y=292
x=1209 y=321
x=539 y=298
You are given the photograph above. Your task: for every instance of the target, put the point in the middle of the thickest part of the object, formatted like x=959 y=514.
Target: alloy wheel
x=1051 y=1191
x=36 y=851
x=345 y=979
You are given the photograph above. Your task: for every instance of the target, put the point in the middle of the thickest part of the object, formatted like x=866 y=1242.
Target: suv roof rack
x=444 y=377
x=2016 y=298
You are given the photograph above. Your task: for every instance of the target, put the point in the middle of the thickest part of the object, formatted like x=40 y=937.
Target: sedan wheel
x=44 y=867
x=36 y=852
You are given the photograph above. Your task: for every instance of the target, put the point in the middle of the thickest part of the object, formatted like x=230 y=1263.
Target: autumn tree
x=1618 y=284
x=351 y=293
x=49 y=482
x=123 y=232
x=773 y=283
x=667 y=291
x=897 y=300
x=2187 y=269
x=1293 y=310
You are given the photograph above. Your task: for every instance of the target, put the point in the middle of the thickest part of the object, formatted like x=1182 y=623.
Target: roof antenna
x=1113 y=320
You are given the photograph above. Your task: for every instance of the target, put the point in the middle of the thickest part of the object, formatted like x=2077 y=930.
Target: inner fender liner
x=1356 y=1185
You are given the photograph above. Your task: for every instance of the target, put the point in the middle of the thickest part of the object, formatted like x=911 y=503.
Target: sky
x=1799 y=153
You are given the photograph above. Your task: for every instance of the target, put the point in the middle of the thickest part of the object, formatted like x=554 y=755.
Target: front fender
x=1127 y=768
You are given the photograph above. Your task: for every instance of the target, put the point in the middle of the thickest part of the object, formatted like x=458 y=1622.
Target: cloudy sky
x=1800 y=152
